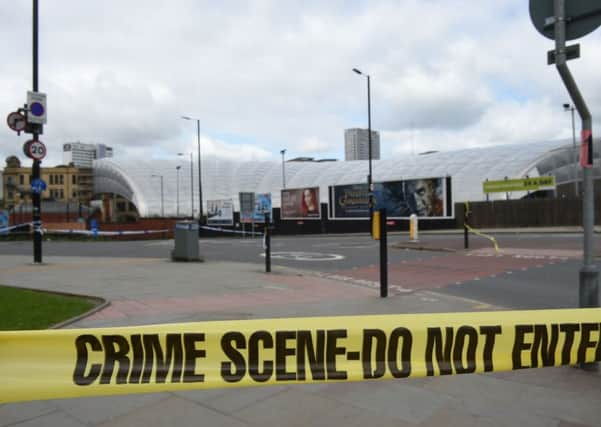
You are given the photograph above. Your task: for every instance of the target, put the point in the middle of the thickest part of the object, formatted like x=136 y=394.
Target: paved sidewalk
x=144 y=290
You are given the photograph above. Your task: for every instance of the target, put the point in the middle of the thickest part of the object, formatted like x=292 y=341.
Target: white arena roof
x=224 y=179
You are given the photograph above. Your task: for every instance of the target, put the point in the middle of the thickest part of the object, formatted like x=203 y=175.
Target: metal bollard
x=267 y=245
x=383 y=255
x=413 y=228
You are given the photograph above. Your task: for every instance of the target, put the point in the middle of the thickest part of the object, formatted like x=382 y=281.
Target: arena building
x=141 y=181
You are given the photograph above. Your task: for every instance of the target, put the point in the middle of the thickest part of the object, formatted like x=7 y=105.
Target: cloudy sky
x=266 y=75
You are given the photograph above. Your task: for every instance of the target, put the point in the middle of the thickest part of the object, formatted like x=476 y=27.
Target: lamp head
x=357 y=71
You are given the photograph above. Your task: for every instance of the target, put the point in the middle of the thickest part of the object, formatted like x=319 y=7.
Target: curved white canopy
x=224 y=179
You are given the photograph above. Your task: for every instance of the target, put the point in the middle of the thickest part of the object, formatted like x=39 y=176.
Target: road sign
x=526 y=184
x=582 y=17
x=38 y=185
x=16 y=121
x=36 y=102
x=36 y=150
x=3 y=219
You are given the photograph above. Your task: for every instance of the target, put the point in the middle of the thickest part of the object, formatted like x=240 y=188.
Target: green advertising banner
x=525 y=184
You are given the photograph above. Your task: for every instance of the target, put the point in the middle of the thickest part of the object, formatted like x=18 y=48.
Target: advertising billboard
x=349 y=201
x=425 y=197
x=300 y=203
x=262 y=206
x=220 y=212
x=247 y=206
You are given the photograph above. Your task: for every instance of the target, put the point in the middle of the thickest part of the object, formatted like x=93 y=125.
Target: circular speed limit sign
x=36 y=150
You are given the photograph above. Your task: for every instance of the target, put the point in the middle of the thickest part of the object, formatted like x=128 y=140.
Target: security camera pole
x=561 y=21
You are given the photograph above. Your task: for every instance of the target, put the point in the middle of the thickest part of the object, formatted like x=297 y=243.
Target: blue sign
x=262 y=206
x=37 y=109
x=3 y=219
x=94 y=227
x=38 y=186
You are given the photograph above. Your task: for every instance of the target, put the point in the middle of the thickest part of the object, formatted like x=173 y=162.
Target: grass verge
x=22 y=309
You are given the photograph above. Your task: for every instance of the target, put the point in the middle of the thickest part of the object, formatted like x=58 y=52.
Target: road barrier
x=70 y=363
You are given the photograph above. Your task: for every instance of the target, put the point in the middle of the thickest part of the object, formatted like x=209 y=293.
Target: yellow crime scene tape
x=67 y=363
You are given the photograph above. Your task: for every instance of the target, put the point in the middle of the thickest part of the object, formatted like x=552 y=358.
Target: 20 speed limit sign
x=35 y=150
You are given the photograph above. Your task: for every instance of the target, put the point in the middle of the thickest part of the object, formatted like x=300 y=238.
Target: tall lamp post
x=568 y=107
x=177 y=168
x=200 y=214
x=369 y=182
x=191 y=183
x=283 y=152
x=162 y=198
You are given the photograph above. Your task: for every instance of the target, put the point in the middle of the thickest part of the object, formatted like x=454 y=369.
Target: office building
x=64 y=183
x=82 y=155
x=356 y=144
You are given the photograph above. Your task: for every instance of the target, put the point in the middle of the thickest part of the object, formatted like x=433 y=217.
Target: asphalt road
x=513 y=282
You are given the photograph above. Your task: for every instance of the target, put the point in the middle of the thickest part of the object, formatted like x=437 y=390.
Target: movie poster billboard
x=262 y=206
x=349 y=201
x=428 y=198
x=247 y=206
x=300 y=203
x=220 y=212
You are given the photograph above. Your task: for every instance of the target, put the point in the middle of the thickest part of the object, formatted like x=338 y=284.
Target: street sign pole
x=562 y=20
x=35 y=172
x=589 y=275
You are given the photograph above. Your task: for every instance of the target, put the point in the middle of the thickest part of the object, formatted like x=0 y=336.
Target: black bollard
x=267 y=245
x=383 y=256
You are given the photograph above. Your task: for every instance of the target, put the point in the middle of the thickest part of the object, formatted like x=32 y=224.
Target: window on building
x=21 y=179
x=73 y=179
x=61 y=179
x=62 y=192
x=10 y=194
x=74 y=195
x=51 y=179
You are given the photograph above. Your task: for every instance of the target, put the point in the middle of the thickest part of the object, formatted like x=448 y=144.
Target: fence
x=525 y=213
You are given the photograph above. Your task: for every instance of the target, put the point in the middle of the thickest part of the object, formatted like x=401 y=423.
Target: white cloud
x=278 y=74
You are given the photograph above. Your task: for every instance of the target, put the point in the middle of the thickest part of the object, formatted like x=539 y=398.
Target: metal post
x=283 y=152
x=383 y=255
x=35 y=172
x=177 y=191
x=369 y=177
x=200 y=214
x=267 y=245
x=576 y=189
x=191 y=186
x=466 y=239
x=162 y=199
x=589 y=276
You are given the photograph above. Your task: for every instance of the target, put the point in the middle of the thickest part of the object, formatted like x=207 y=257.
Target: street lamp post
x=283 y=152
x=177 y=168
x=191 y=183
x=369 y=180
x=162 y=198
x=200 y=214
x=568 y=107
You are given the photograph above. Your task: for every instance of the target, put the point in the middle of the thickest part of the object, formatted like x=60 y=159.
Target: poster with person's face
x=220 y=212
x=425 y=198
x=300 y=203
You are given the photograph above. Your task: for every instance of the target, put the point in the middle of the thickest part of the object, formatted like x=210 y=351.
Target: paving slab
x=146 y=291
